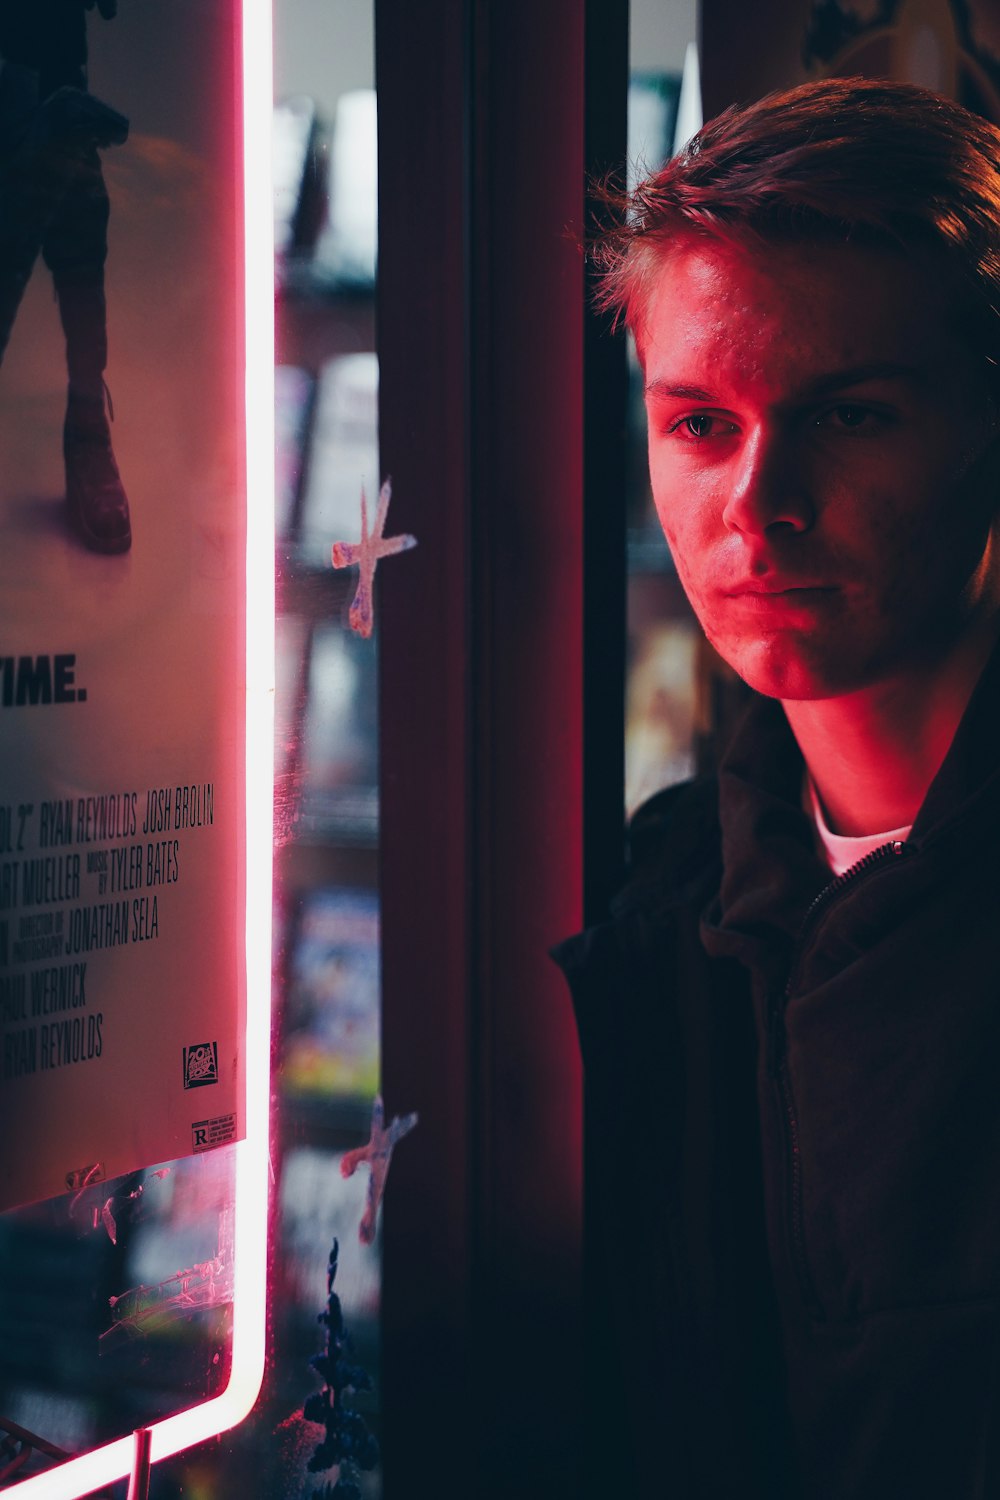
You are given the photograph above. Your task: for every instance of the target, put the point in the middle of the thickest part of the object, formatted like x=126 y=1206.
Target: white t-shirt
x=844 y=850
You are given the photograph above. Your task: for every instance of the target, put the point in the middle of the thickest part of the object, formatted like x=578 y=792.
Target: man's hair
x=845 y=159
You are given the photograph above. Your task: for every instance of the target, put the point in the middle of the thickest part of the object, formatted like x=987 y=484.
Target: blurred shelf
x=335 y=1124
x=314 y=327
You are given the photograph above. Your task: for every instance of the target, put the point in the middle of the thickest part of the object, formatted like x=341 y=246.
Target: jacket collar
x=772 y=869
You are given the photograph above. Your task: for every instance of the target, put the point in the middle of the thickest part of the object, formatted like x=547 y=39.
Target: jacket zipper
x=779 y=1063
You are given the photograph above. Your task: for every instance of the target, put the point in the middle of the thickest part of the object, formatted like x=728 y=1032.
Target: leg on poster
x=75 y=249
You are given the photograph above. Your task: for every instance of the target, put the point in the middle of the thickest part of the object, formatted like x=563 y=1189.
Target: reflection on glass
x=664 y=647
x=116 y=1302
x=326 y=800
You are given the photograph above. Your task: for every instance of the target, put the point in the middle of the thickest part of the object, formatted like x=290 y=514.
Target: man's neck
x=873 y=754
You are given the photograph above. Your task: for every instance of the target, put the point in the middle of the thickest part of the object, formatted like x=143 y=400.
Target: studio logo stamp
x=201 y=1065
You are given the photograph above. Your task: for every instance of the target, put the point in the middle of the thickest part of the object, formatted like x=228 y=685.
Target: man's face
x=820 y=449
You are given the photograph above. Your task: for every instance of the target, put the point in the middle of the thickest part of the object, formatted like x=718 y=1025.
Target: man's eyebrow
x=685 y=392
x=836 y=380
x=859 y=374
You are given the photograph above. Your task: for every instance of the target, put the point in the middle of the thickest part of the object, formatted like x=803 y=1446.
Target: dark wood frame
x=502 y=670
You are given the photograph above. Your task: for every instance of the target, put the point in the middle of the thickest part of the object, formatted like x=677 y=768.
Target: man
x=791 y=1023
x=53 y=200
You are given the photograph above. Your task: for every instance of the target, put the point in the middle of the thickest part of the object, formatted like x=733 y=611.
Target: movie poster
x=122 y=597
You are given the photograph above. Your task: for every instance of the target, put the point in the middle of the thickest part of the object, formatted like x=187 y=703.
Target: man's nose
x=768 y=487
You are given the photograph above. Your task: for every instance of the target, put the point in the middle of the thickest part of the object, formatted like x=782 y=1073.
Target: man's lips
x=770 y=587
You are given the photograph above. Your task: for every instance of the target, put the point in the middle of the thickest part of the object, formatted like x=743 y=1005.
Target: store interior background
x=326 y=338
x=327 y=738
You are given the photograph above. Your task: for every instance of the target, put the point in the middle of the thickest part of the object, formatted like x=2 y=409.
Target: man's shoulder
x=673 y=848
x=673 y=869
x=622 y=972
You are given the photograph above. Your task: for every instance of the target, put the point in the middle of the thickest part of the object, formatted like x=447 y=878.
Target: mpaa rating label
x=206 y=1134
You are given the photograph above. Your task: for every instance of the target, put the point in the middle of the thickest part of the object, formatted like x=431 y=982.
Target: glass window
x=665 y=645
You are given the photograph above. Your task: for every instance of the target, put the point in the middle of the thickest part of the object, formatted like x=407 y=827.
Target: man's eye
x=848 y=418
x=701 y=425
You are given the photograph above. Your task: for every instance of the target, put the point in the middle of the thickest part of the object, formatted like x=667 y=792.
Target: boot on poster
x=95 y=495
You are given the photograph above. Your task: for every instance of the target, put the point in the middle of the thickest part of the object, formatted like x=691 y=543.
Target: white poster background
x=119 y=1048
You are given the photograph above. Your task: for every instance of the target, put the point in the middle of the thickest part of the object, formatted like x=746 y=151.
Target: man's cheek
x=672 y=531
x=690 y=583
x=681 y=550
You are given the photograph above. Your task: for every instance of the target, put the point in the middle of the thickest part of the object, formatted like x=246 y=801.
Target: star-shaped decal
x=377 y=1154
x=366 y=554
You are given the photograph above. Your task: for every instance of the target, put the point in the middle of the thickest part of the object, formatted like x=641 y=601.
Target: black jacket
x=793 y=1137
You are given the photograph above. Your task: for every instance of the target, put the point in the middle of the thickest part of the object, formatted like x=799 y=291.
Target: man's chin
x=788 y=675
